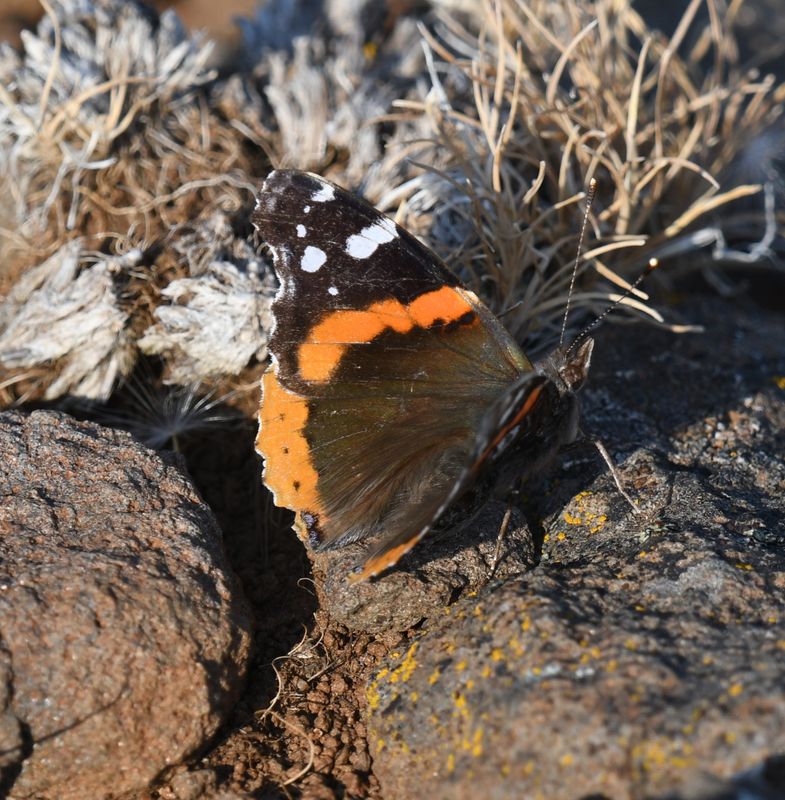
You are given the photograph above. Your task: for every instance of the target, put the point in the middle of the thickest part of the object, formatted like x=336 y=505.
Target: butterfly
x=391 y=386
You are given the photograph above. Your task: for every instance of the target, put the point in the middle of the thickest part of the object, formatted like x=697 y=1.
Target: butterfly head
x=568 y=368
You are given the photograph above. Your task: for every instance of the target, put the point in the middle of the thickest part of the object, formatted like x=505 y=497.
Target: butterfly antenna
x=652 y=265
x=589 y=200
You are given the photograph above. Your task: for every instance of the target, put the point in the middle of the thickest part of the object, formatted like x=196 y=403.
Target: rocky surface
x=450 y=561
x=644 y=656
x=124 y=638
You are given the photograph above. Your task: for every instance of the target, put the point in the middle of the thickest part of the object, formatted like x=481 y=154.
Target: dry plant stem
x=270 y=711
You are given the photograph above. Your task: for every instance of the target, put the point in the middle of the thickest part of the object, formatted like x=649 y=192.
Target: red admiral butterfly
x=391 y=386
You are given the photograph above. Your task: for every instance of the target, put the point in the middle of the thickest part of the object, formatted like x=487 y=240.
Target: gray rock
x=124 y=637
x=644 y=656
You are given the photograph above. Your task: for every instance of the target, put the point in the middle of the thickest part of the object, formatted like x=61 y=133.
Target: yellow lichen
x=517 y=648
x=654 y=754
x=477 y=743
x=403 y=672
x=373 y=697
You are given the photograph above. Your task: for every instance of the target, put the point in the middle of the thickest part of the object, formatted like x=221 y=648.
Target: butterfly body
x=391 y=386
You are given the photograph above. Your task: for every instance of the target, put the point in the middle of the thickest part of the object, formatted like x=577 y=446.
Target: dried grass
x=110 y=141
x=558 y=94
x=106 y=132
x=114 y=134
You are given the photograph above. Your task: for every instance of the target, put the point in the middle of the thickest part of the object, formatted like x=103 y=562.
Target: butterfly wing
x=383 y=370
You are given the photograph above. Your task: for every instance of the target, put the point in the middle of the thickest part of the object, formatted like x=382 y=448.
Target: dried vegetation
x=559 y=93
x=480 y=128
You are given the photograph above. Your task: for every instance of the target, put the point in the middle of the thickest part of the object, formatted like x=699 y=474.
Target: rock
x=443 y=566
x=644 y=656
x=124 y=637
x=198 y=784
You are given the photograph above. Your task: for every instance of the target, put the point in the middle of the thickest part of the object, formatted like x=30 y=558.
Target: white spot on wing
x=364 y=243
x=301 y=231
x=312 y=259
x=306 y=209
x=324 y=194
x=333 y=291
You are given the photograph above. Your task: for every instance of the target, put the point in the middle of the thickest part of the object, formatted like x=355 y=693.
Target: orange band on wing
x=525 y=409
x=320 y=354
x=288 y=470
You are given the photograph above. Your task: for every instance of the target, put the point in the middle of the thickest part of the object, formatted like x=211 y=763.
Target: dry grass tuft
x=555 y=94
x=106 y=133
x=111 y=144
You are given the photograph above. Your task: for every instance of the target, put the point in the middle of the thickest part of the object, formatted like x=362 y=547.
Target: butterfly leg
x=501 y=536
x=497 y=552
x=612 y=468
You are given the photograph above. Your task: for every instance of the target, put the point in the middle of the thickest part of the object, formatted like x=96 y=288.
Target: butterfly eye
x=575 y=371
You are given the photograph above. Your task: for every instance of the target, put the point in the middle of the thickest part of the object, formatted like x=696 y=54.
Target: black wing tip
x=281 y=190
x=279 y=179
